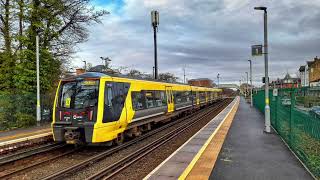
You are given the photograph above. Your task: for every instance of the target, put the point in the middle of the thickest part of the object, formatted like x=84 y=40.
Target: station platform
x=197 y=154
x=8 y=138
x=232 y=146
x=249 y=153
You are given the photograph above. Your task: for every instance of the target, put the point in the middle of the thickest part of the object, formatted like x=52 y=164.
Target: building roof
x=98 y=68
x=310 y=63
x=200 y=79
x=287 y=76
x=302 y=68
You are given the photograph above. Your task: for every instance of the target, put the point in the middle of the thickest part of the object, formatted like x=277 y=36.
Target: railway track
x=35 y=151
x=188 y=121
x=24 y=154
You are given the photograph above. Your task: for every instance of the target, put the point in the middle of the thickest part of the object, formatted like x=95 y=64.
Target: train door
x=206 y=94
x=198 y=97
x=114 y=101
x=170 y=101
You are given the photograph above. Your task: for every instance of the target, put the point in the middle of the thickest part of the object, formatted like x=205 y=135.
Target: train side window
x=114 y=99
x=202 y=95
x=109 y=113
x=138 y=101
x=108 y=97
x=194 y=95
x=163 y=98
x=178 y=97
x=150 y=99
x=160 y=98
x=187 y=95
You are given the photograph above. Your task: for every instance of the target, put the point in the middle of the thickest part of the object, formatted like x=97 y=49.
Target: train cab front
x=75 y=111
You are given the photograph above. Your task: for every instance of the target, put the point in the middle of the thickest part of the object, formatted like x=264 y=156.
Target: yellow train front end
x=88 y=109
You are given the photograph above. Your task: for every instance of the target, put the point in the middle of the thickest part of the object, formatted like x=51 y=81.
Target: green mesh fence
x=295 y=114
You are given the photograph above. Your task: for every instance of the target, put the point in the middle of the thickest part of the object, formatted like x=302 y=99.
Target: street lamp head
x=155 y=18
x=261 y=8
x=105 y=58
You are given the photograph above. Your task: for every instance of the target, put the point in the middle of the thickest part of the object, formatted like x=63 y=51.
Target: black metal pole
x=155 y=52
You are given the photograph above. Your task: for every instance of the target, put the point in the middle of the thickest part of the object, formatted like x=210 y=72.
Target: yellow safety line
x=195 y=159
x=205 y=164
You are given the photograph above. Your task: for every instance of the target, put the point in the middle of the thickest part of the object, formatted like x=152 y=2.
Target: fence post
x=292 y=97
x=276 y=113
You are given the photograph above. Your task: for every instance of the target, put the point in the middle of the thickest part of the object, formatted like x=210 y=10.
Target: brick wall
x=314 y=70
x=200 y=82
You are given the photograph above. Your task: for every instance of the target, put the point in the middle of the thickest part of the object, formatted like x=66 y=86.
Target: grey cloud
x=210 y=36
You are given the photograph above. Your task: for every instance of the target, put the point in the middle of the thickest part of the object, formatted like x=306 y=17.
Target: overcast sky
x=206 y=36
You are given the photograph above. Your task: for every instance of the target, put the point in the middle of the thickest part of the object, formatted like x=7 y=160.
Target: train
x=95 y=108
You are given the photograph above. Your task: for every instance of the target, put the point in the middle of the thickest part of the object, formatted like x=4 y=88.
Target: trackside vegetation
x=61 y=25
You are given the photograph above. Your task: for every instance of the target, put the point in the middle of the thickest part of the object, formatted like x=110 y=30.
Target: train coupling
x=72 y=135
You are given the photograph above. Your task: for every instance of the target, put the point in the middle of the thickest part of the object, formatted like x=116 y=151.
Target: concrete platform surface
x=24 y=132
x=248 y=153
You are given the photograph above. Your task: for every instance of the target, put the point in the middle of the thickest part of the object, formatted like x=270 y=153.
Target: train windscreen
x=79 y=94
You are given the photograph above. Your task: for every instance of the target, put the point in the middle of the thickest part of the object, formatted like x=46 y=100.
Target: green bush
x=25 y=120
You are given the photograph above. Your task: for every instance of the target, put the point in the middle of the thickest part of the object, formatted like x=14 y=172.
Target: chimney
x=80 y=71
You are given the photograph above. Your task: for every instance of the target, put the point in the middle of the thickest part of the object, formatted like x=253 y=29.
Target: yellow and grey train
x=95 y=108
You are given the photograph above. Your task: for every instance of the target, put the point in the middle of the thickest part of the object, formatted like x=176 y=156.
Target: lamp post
x=155 y=23
x=247 y=84
x=38 y=80
x=267 y=107
x=240 y=86
x=85 y=66
x=218 y=76
x=243 y=80
x=251 y=103
x=184 y=74
x=106 y=61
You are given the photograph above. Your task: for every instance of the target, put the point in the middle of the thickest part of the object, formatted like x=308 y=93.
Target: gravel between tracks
x=59 y=163
x=32 y=159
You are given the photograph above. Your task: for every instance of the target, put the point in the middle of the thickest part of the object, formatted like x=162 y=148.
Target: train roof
x=99 y=75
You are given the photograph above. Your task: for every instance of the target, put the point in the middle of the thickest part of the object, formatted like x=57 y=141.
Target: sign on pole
x=275 y=92
x=256 y=50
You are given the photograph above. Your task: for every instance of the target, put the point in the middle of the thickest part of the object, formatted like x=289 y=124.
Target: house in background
x=204 y=82
x=304 y=75
x=286 y=82
x=314 y=72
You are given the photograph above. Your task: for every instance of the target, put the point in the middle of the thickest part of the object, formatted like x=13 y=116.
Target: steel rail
x=31 y=152
x=6 y=175
x=100 y=156
x=113 y=169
